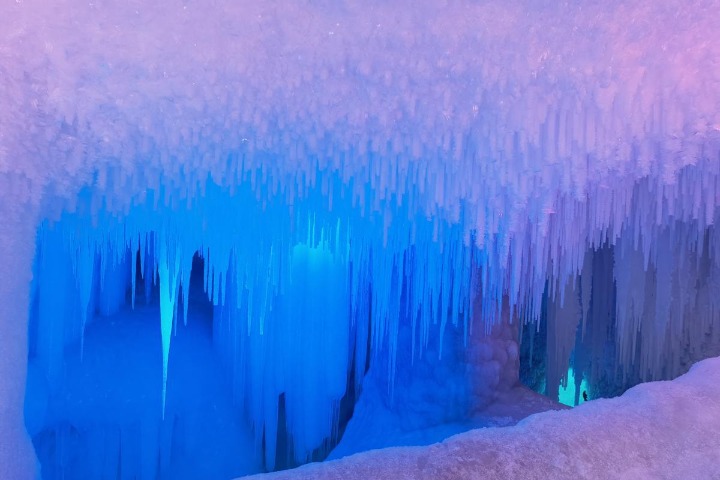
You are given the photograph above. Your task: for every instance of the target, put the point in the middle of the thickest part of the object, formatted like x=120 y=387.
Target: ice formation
x=343 y=168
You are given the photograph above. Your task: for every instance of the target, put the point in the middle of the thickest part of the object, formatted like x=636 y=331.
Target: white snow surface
x=657 y=430
x=374 y=426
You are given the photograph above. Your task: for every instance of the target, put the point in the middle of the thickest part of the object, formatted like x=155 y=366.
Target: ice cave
x=316 y=239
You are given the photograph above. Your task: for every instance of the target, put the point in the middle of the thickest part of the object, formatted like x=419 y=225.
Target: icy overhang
x=499 y=106
x=525 y=125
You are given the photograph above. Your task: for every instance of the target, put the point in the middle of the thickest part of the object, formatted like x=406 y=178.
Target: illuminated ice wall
x=344 y=169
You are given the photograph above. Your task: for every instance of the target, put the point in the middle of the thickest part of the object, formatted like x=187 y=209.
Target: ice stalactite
x=300 y=287
x=168 y=267
x=265 y=261
x=645 y=309
x=84 y=273
x=668 y=303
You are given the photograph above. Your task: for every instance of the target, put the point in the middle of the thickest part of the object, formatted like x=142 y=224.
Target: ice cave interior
x=242 y=236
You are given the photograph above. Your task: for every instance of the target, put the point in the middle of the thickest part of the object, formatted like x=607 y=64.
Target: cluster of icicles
x=304 y=293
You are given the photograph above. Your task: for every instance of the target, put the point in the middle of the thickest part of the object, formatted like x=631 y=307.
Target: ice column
x=17 y=248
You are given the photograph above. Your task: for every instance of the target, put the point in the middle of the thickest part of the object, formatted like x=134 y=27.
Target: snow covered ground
x=374 y=426
x=658 y=430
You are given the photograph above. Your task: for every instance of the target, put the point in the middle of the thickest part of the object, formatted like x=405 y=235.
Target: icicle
x=168 y=265
x=185 y=282
x=84 y=276
x=134 y=247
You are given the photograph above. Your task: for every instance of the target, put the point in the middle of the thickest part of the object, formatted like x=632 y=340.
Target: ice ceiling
x=441 y=161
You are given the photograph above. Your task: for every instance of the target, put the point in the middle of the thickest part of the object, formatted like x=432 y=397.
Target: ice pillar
x=17 y=248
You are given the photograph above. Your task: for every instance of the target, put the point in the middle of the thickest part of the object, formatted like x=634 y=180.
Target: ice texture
x=422 y=153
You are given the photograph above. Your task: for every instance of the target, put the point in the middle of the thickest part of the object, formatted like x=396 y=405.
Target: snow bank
x=659 y=430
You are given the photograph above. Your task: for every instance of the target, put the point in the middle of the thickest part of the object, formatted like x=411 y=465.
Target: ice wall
x=17 y=459
x=303 y=296
x=444 y=148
